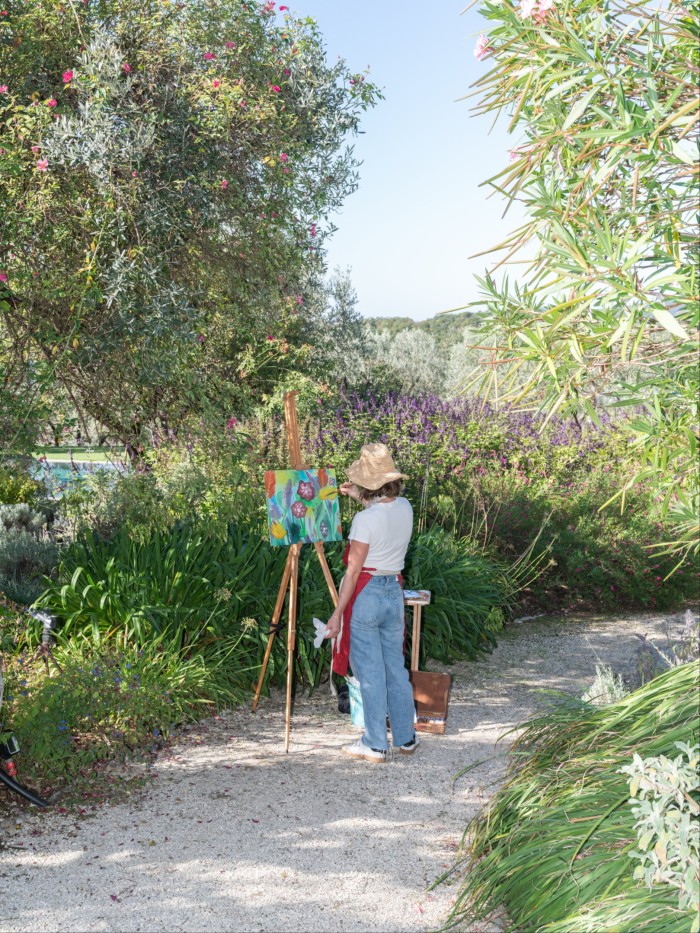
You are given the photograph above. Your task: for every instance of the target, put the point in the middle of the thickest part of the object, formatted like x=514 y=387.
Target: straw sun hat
x=374 y=468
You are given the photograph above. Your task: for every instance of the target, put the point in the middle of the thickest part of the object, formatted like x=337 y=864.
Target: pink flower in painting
x=306 y=490
x=230 y=45
x=3 y=89
x=126 y=68
x=299 y=510
x=3 y=276
x=283 y=156
x=52 y=103
x=67 y=76
x=216 y=83
x=276 y=88
x=42 y=165
x=482 y=47
x=209 y=56
x=224 y=184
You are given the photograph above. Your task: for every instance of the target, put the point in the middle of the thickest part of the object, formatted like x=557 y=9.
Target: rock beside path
x=232 y=834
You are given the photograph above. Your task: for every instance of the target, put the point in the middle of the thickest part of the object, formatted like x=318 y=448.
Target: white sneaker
x=360 y=750
x=409 y=747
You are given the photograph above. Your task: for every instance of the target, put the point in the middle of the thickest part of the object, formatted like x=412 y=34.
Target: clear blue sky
x=419 y=213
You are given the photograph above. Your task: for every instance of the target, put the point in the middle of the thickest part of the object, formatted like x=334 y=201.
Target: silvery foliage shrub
x=607 y=687
x=667 y=825
x=20 y=517
x=409 y=362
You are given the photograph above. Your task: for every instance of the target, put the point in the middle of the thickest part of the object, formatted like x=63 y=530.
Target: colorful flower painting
x=302 y=506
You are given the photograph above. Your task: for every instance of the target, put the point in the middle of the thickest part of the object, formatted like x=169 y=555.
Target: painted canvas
x=302 y=506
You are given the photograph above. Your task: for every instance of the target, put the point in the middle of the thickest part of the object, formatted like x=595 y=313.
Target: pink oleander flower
x=270 y=337
x=67 y=76
x=126 y=68
x=243 y=103
x=3 y=12
x=286 y=72
x=224 y=184
x=209 y=56
x=201 y=338
x=527 y=8
x=268 y=7
x=230 y=45
x=276 y=88
x=52 y=103
x=231 y=423
x=42 y=165
x=3 y=89
x=545 y=6
x=283 y=156
x=216 y=83
x=283 y=8
x=312 y=229
x=134 y=174
x=3 y=276
x=482 y=47
x=35 y=149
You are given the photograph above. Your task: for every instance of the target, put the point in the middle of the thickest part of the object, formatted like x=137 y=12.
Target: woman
x=371 y=595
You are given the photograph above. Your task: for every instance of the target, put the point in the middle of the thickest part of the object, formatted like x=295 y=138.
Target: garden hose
x=22 y=791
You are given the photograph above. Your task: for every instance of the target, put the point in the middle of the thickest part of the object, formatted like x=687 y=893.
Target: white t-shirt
x=387 y=528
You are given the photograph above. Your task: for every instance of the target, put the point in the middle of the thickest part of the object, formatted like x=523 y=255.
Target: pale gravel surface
x=233 y=835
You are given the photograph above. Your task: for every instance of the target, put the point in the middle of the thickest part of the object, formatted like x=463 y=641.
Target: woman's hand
x=351 y=490
x=333 y=625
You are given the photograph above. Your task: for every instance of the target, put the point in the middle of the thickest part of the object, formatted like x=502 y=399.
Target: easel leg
x=326 y=571
x=273 y=626
x=291 y=639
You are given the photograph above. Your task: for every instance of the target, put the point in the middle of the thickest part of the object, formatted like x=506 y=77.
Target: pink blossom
x=274 y=214
x=52 y=103
x=268 y=7
x=270 y=337
x=35 y=148
x=276 y=88
x=287 y=72
x=209 y=56
x=482 y=47
x=243 y=103
x=224 y=184
x=201 y=338
x=3 y=276
x=3 y=12
x=230 y=45
x=231 y=423
x=285 y=170
x=546 y=6
x=67 y=76
x=42 y=165
x=312 y=230
x=283 y=8
x=283 y=156
x=216 y=83
x=126 y=68
x=3 y=89
x=299 y=299
x=134 y=174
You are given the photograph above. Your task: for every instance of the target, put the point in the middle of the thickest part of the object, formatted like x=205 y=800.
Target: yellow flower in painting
x=328 y=492
x=277 y=530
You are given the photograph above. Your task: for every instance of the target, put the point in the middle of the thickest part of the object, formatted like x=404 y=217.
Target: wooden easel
x=290 y=577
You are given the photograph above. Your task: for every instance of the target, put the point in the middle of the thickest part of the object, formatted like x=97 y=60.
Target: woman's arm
x=356 y=561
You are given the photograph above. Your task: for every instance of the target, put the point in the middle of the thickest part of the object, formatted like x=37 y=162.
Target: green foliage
x=108 y=701
x=665 y=792
x=16 y=485
x=605 y=166
x=26 y=552
x=553 y=845
x=606 y=688
x=167 y=174
x=446 y=329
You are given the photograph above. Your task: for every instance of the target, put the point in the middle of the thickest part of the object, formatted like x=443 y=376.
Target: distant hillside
x=446 y=329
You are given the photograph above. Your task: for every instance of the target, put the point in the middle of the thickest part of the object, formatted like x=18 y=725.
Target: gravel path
x=232 y=834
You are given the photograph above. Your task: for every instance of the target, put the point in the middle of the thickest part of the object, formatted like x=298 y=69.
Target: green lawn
x=93 y=454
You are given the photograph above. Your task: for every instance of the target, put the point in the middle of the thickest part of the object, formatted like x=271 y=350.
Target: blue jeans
x=377 y=660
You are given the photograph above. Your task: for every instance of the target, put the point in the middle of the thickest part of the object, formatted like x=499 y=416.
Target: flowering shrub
x=473 y=468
